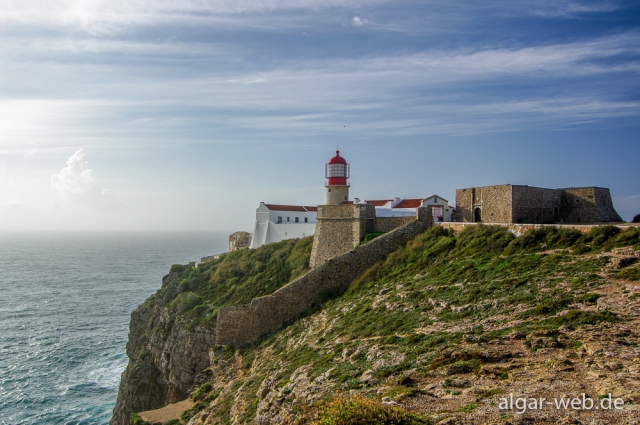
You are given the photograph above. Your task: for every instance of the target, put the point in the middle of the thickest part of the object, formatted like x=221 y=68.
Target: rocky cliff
x=165 y=356
x=172 y=332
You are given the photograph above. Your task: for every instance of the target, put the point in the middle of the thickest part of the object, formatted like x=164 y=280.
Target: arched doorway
x=477 y=215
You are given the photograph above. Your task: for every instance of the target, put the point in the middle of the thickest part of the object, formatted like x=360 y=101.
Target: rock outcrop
x=165 y=357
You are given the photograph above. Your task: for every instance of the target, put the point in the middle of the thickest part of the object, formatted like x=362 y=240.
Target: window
x=306 y=219
x=297 y=219
x=288 y=218
x=279 y=219
x=345 y=198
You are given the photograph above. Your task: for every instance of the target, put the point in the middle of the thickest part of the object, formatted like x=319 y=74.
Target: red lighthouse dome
x=337 y=171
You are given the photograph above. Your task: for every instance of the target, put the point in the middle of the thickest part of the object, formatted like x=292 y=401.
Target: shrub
x=370 y=236
x=468 y=407
x=580 y=249
x=177 y=268
x=630 y=274
x=365 y=411
x=550 y=306
x=190 y=413
x=135 y=419
x=547 y=237
x=186 y=301
x=201 y=391
x=577 y=318
x=599 y=235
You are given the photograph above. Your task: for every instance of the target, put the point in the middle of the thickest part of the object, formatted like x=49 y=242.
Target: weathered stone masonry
x=526 y=204
x=340 y=228
x=244 y=324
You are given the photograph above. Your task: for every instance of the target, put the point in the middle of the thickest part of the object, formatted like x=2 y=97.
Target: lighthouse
x=337 y=172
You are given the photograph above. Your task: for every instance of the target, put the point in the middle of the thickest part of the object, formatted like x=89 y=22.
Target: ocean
x=65 y=303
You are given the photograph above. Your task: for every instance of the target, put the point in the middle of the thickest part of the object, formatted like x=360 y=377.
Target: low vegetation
x=358 y=410
x=234 y=278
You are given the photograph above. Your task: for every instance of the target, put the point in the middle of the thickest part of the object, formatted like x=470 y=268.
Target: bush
x=370 y=236
x=630 y=274
x=135 y=419
x=177 y=268
x=186 y=301
x=548 y=237
x=200 y=392
x=599 y=235
x=577 y=318
x=365 y=411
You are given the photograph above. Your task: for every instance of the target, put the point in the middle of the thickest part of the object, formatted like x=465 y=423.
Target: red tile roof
x=311 y=208
x=409 y=203
x=379 y=202
x=294 y=208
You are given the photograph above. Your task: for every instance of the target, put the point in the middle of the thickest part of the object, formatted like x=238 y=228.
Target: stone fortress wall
x=387 y=224
x=528 y=204
x=341 y=228
x=237 y=325
x=588 y=205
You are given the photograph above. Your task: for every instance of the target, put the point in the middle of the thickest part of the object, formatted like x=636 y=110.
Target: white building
x=399 y=207
x=278 y=222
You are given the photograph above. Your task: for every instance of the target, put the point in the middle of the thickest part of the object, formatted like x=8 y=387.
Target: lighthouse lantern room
x=337 y=173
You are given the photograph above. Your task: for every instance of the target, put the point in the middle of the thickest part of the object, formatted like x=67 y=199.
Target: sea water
x=65 y=303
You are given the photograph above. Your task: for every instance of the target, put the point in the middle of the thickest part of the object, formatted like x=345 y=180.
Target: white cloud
x=75 y=178
x=75 y=184
x=29 y=153
x=356 y=21
x=107 y=16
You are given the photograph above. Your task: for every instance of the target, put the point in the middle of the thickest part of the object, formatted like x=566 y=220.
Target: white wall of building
x=439 y=205
x=275 y=225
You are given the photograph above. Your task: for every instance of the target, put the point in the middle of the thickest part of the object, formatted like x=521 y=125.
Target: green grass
x=233 y=279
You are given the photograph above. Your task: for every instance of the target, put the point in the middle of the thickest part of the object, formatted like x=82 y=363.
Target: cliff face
x=172 y=332
x=165 y=356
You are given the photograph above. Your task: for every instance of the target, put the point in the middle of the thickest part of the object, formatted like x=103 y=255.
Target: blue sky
x=185 y=114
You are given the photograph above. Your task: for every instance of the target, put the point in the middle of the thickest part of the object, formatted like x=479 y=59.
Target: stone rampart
x=528 y=204
x=339 y=229
x=535 y=205
x=238 y=325
x=387 y=224
x=588 y=205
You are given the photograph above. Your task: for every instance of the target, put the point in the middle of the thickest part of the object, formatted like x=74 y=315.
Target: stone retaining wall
x=237 y=325
x=387 y=224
